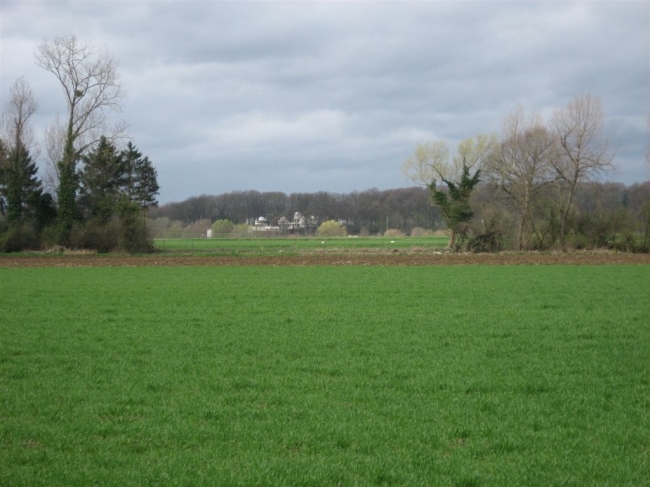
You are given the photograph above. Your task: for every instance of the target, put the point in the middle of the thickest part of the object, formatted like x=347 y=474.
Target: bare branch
x=522 y=165
x=586 y=148
x=91 y=86
x=15 y=119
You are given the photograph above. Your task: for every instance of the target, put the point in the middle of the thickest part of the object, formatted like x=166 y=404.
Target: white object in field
x=209 y=233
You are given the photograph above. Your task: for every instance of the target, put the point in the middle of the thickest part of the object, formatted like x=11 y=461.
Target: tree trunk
x=452 y=239
x=520 y=236
x=565 y=214
x=67 y=189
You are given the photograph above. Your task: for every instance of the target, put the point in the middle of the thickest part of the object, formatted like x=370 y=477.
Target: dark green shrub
x=19 y=237
x=489 y=241
x=49 y=237
x=133 y=232
x=97 y=235
x=629 y=242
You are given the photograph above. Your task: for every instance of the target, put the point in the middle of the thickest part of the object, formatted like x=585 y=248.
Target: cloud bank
x=310 y=96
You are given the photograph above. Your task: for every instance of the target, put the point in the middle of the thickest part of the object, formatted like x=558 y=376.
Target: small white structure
x=261 y=224
x=208 y=234
x=298 y=224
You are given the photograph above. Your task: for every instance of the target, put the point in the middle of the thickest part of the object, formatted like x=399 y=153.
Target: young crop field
x=271 y=245
x=450 y=376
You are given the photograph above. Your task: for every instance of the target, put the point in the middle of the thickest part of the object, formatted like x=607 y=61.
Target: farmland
x=264 y=245
x=201 y=375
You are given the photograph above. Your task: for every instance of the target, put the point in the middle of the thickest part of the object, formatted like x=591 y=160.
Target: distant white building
x=298 y=224
x=261 y=224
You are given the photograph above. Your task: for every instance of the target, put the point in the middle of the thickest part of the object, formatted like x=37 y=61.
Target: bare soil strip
x=393 y=259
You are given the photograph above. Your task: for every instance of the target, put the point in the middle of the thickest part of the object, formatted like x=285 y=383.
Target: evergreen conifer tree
x=141 y=184
x=101 y=178
x=20 y=188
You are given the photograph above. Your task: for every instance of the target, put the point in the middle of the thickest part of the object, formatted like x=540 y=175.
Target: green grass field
x=296 y=245
x=463 y=376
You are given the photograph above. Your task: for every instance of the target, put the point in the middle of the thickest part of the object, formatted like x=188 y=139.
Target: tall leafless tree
x=585 y=147
x=15 y=120
x=522 y=165
x=91 y=87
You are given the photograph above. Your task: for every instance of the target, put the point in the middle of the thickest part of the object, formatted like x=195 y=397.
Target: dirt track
x=392 y=259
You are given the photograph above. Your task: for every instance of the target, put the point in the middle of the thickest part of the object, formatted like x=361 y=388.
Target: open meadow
x=270 y=245
x=473 y=375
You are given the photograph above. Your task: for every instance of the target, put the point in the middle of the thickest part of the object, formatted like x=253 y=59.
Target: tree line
x=367 y=212
x=604 y=213
x=536 y=171
x=95 y=195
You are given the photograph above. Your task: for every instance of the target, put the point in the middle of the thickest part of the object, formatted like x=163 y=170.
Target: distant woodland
x=605 y=214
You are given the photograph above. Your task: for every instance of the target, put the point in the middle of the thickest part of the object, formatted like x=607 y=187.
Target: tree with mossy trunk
x=454 y=203
x=430 y=162
x=91 y=86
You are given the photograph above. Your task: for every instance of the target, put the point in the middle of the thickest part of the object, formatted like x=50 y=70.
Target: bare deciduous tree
x=15 y=120
x=91 y=86
x=585 y=149
x=522 y=165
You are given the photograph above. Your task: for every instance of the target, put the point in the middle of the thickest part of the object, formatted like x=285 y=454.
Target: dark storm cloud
x=315 y=96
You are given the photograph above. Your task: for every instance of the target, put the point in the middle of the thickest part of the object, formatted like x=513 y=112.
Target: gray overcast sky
x=333 y=96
